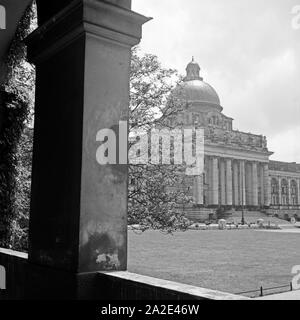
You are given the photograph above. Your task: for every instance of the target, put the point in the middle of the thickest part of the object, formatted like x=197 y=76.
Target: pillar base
x=43 y=283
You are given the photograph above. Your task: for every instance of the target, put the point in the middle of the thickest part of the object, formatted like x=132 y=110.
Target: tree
x=20 y=221
x=156 y=192
x=16 y=106
x=153 y=193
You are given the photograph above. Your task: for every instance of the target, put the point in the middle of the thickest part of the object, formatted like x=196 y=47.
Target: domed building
x=203 y=102
x=237 y=170
x=194 y=89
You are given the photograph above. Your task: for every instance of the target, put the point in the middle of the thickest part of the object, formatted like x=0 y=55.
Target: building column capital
x=95 y=18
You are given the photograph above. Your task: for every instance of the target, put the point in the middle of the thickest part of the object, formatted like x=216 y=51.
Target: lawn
x=229 y=260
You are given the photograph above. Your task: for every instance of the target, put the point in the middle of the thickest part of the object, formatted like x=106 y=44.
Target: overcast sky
x=247 y=50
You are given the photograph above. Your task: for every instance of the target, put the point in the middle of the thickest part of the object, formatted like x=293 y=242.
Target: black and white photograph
x=149 y=153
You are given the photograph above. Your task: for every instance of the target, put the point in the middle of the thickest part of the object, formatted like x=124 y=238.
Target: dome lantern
x=193 y=71
x=194 y=90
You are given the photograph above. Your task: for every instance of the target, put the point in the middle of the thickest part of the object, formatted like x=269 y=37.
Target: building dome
x=194 y=89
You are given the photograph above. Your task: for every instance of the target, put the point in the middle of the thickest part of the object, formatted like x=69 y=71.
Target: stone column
x=206 y=181
x=209 y=180
x=279 y=191
x=215 y=181
x=254 y=184
x=228 y=182
x=267 y=185
x=262 y=196
x=198 y=189
x=298 y=191
x=242 y=183
x=78 y=218
x=222 y=182
x=289 y=192
x=235 y=183
x=249 y=184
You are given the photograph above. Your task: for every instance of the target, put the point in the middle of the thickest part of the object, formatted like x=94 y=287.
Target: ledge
x=102 y=19
x=14 y=253
x=113 y=285
x=164 y=288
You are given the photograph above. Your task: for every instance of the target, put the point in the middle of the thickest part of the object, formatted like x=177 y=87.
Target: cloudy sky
x=247 y=50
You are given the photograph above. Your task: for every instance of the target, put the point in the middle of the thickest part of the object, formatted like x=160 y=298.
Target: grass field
x=230 y=261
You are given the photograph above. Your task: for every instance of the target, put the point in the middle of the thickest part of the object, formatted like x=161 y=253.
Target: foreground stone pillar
x=215 y=181
x=78 y=220
x=228 y=182
x=254 y=184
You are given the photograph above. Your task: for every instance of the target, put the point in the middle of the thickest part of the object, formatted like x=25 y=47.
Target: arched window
x=294 y=192
x=274 y=192
x=284 y=192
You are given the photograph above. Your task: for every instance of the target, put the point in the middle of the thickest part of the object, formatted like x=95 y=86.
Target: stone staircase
x=200 y=214
x=253 y=216
x=235 y=216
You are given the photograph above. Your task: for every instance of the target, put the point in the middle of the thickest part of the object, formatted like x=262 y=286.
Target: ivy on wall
x=16 y=105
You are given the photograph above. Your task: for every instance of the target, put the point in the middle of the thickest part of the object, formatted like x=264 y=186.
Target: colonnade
x=233 y=182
